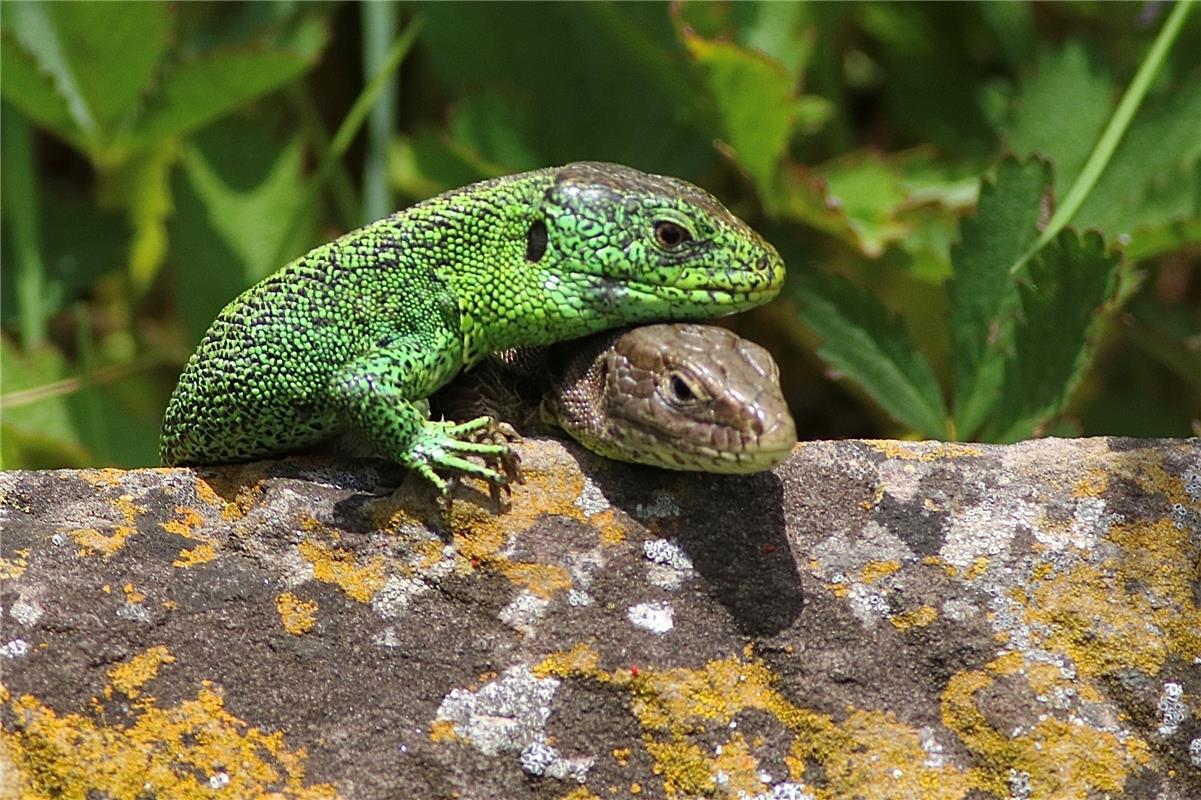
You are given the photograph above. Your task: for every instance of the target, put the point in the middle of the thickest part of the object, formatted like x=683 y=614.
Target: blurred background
x=158 y=158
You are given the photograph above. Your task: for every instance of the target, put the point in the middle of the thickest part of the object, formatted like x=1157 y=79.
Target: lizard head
x=640 y=247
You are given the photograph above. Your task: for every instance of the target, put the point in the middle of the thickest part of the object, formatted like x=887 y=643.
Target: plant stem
x=1098 y=160
x=348 y=129
x=21 y=199
x=379 y=22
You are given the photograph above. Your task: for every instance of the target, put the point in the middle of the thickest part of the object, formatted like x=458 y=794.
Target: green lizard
x=677 y=396
x=357 y=333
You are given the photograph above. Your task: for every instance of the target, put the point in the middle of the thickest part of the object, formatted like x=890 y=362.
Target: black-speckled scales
x=351 y=335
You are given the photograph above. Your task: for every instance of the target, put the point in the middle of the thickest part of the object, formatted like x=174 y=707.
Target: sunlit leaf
x=756 y=100
x=1061 y=110
x=39 y=434
x=863 y=341
x=237 y=186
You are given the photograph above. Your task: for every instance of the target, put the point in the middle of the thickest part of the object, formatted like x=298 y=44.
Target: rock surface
x=871 y=620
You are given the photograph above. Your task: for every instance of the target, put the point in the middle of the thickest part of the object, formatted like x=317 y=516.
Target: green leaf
x=236 y=187
x=424 y=164
x=100 y=59
x=1068 y=78
x=204 y=88
x=1063 y=305
x=867 y=189
x=41 y=434
x=983 y=291
x=143 y=186
x=98 y=244
x=26 y=86
x=112 y=49
x=604 y=81
x=1152 y=180
x=778 y=30
x=33 y=26
x=756 y=101
x=861 y=340
x=490 y=126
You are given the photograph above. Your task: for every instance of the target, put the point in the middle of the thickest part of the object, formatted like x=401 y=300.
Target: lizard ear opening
x=535 y=242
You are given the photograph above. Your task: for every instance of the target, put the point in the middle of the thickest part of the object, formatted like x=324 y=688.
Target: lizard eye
x=681 y=390
x=671 y=235
x=535 y=242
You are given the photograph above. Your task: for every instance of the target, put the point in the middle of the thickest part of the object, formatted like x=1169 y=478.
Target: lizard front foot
x=447 y=446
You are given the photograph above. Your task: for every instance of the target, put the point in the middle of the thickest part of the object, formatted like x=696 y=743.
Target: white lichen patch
x=1090 y=521
x=785 y=791
x=868 y=606
x=664 y=505
x=591 y=500
x=134 y=612
x=1172 y=709
x=26 y=611
x=386 y=638
x=669 y=566
x=987 y=528
x=543 y=761
x=14 y=649
x=506 y=715
x=294 y=568
x=959 y=610
x=394 y=596
x=655 y=617
x=936 y=755
x=901 y=479
x=847 y=552
x=524 y=612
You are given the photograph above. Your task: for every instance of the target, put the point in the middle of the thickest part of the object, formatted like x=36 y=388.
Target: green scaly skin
x=677 y=396
x=353 y=336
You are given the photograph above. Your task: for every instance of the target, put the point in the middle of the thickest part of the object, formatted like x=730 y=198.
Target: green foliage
x=983 y=290
x=863 y=342
x=992 y=218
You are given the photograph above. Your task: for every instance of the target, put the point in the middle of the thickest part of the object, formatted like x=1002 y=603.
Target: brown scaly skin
x=683 y=396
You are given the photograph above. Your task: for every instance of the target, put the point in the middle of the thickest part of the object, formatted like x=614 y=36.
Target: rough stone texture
x=870 y=620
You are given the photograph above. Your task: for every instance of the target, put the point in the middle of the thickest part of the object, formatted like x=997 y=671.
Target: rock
x=870 y=620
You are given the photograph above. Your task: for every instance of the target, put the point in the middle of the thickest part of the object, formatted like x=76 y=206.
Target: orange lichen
x=165 y=752
x=132 y=595
x=873 y=571
x=92 y=541
x=917 y=618
x=924 y=451
x=340 y=567
x=130 y=676
x=14 y=567
x=1133 y=610
x=107 y=476
x=870 y=755
x=1064 y=760
x=443 y=730
x=543 y=580
x=298 y=616
x=200 y=554
x=189 y=518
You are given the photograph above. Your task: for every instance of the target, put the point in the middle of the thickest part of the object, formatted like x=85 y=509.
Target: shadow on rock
x=731 y=526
